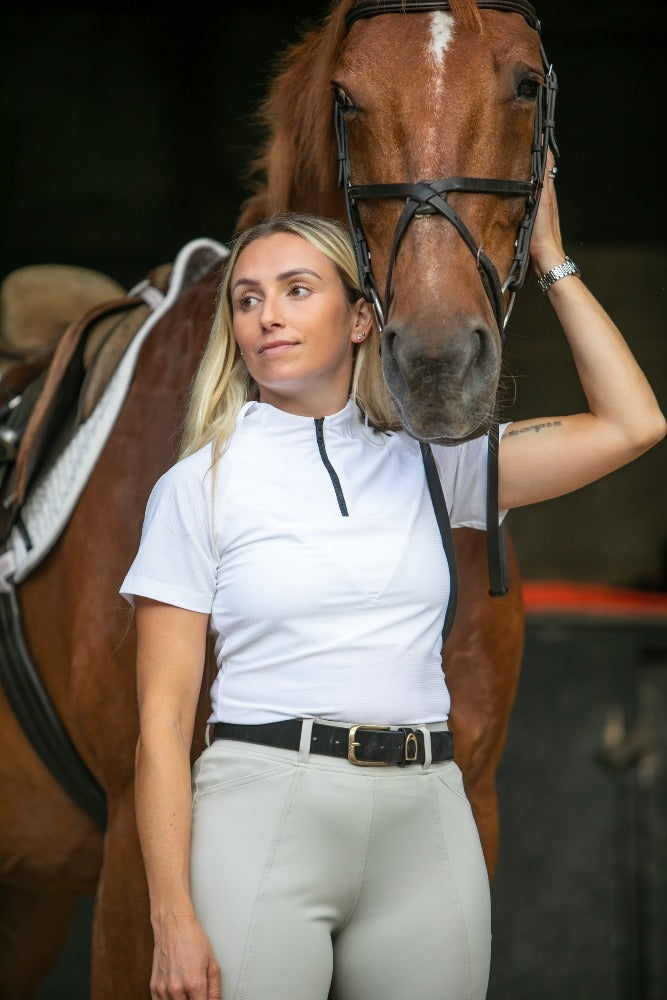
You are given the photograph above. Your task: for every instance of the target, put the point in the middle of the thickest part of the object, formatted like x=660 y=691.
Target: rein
x=430 y=197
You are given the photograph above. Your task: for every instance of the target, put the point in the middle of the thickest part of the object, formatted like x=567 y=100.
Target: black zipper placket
x=338 y=489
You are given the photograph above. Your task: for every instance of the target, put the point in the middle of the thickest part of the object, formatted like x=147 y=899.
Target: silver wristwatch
x=556 y=273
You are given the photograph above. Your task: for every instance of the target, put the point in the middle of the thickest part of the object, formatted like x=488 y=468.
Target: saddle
x=63 y=333
x=37 y=304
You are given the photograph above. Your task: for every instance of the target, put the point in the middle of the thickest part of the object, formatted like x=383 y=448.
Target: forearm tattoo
x=533 y=427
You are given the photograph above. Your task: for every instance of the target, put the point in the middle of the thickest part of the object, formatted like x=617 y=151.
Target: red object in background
x=591 y=598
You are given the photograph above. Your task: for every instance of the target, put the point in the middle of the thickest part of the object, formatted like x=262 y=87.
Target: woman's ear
x=363 y=321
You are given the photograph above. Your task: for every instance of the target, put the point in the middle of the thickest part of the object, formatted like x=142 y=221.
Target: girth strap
x=37 y=716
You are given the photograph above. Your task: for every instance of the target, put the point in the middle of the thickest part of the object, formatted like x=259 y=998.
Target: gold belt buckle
x=411 y=748
x=352 y=743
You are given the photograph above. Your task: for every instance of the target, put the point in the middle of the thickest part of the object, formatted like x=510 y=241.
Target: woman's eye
x=299 y=291
x=246 y=302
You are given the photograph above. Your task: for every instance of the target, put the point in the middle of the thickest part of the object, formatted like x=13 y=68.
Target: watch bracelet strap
x=550 y=278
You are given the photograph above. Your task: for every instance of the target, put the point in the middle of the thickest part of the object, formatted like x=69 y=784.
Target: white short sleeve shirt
x=316 y=552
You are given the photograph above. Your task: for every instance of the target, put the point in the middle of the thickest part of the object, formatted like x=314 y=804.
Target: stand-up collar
x=269 y=417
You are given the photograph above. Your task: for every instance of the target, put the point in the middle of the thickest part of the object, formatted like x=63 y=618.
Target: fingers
x=213 y=980
x=551 y=169
x=546 y=249
x=187 y=978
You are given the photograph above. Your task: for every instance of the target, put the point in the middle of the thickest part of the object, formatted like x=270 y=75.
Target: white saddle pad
x=54 y=495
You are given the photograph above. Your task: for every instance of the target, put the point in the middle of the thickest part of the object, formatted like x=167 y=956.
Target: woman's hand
x=184 y=966
x=546 y=244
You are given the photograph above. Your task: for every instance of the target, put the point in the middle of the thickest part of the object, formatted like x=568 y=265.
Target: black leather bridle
x=430 y=196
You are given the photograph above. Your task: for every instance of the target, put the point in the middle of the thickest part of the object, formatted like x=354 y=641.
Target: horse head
x=442 y=115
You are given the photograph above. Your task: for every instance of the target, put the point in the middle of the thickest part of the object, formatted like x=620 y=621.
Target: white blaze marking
x=441 y=33
x=442 y=26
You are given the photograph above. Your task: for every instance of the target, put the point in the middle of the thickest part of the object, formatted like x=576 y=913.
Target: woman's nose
x=271 y=313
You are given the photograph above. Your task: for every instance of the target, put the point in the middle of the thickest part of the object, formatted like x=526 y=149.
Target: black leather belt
x=366 y=746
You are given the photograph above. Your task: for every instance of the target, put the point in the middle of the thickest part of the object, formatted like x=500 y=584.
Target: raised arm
x=171 y=649
x=552 y=455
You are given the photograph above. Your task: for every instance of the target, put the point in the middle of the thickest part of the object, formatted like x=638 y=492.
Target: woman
x=296 y=530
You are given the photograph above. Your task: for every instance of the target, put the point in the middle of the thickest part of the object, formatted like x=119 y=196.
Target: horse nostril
x=485 y=355
x=473 y=356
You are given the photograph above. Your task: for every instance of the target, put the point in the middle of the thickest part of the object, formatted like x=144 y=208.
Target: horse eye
x=527 y=88
x=343 y=98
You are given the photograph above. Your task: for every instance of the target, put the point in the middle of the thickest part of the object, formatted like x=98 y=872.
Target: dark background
x=126 y=132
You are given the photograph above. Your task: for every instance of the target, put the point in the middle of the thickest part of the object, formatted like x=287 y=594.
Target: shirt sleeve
x=176 y=561
x=463 y=473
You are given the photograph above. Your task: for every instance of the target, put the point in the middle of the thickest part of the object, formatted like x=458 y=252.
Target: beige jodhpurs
x=308 y=871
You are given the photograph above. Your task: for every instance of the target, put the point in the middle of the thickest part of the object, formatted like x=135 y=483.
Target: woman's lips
x=277 y=346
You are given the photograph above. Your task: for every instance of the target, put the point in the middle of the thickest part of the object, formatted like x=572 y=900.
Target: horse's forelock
x=467 y=12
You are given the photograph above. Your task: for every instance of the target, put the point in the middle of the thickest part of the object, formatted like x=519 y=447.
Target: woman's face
x=294 y=326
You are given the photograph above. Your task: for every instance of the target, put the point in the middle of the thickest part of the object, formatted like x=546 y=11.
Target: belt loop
x=207 y=734
x=304 y=743
x=428 y=753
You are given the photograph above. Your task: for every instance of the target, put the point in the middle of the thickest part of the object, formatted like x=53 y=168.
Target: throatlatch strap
x=495 y=535
x=442 y=517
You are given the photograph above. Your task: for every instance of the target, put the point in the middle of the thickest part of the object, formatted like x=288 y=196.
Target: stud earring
x=361 y=335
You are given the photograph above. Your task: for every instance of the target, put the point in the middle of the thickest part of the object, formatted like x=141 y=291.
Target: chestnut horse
x=425 y=127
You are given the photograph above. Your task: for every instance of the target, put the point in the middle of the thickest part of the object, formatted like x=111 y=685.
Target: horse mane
x=296 y=117
x=297 y=163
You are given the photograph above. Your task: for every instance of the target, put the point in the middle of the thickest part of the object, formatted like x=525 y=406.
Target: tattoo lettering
x=534 y=427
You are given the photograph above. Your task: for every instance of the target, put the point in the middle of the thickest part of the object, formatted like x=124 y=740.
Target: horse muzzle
x=444 y=393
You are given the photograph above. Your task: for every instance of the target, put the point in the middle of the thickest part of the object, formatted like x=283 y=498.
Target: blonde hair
x=222 y=383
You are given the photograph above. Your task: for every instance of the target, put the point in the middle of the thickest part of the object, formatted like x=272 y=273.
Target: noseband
x=430 y=197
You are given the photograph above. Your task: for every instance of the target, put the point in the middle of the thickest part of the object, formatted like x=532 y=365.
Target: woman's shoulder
x=187 y=473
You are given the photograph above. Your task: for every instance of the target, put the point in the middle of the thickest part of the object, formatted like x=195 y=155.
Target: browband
x=369 y=8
